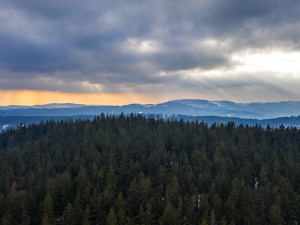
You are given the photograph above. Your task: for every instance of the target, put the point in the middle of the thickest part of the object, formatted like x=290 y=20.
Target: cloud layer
x=151 y=47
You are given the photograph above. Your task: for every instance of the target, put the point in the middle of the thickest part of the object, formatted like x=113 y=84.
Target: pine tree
x=275 y=215
x=86 y=216
x=112 y=218
x=223 y=221
x=170 y=216
x=147 y=213
x=204 y=222
x=46 y=220
x=7 y=218
x=68 y=216
x=120 y=209
x=48 y=215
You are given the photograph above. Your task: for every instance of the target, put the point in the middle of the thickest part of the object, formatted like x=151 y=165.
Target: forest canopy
x=138 y=170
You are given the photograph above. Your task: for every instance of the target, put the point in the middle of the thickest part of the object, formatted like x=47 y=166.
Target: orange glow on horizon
x=28 y=97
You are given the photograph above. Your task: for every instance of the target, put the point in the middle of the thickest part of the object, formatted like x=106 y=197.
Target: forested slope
x=134 y=170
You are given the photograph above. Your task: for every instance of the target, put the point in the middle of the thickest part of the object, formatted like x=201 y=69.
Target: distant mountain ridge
x=45 y=106
x=188 y=107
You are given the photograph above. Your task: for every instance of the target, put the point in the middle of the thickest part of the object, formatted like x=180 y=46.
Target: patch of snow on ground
x=217 y=104
x=4 y=127
x=194 y=105
x=150 y=105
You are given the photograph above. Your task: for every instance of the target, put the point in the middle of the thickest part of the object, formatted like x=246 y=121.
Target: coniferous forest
x=138 y=170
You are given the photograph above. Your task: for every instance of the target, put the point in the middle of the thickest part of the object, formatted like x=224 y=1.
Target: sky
x=134 y=51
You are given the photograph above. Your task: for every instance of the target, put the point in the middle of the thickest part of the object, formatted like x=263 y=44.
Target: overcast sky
x=210 y=49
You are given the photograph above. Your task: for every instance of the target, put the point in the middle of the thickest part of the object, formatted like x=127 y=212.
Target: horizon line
x=137 y=103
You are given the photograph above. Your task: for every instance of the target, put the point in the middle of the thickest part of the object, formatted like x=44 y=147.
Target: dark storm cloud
x=131 y=43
